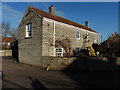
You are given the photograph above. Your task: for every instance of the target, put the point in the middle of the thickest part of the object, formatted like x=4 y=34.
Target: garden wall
x=81 y=63
x=5 y=52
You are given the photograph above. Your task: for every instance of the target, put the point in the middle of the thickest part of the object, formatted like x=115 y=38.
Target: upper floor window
x=28 y=30
x=85 y=36
x=77 y=34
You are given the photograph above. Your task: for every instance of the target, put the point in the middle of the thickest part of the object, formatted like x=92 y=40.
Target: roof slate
x=60 y=19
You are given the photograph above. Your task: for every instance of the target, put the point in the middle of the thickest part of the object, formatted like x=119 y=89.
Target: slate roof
x=60 y=19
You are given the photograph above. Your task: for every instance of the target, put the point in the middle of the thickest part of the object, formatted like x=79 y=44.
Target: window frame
x=57 y=52
x=86 y=36
x=77 y=34
x=28 y=33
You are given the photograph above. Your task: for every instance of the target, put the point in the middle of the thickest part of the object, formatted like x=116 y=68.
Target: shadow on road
x=89 y=73
x=12 y=83
x=37 y=84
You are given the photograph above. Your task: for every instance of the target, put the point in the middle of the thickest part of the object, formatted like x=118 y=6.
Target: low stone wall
x=57 y=63
x=80 y=63
x=5 y=52
x=118 y=60
x=76 y=63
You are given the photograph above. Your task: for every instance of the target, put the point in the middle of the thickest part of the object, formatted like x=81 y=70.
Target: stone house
x=5 y=42
x=45 y=34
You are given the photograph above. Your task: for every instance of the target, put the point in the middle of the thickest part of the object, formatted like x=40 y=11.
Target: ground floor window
x=59 y=52
x=95 y=39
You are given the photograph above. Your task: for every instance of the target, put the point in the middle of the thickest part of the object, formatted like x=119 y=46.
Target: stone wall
x=118 y=60
x=33 y=51
x=5 y=52
x=77 y=64
x=30 y=48
x=57 y=63
x=63 y=31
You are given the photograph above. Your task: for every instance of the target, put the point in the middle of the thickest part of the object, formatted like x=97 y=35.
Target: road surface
x=17 y=75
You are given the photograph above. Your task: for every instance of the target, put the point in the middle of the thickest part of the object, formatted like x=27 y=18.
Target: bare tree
x=66 y=44
x=5 y=29
x=14 y=33
x=0 y=29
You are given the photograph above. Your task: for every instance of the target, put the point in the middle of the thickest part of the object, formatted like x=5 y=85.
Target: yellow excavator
x=91 y=51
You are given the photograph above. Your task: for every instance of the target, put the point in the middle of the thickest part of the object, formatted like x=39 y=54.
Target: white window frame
x=77 y=34
x=59 y=52
x=86 y=36
x=28 y=30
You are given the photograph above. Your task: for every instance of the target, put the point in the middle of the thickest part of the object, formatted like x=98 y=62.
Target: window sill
x=27 y=37
x=77 y=38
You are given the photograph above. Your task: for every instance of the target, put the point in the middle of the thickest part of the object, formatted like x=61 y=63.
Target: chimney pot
x=52 y=9
x=86 y=23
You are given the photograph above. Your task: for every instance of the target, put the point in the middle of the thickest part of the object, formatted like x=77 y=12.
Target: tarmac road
x=16 y=75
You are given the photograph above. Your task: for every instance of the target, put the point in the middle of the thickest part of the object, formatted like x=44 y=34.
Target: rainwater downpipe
x=54 y=37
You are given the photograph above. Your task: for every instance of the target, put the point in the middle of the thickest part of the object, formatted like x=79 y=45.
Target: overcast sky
x=102 y=16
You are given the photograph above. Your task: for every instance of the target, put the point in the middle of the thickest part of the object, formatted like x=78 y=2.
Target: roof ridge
x=69 y=21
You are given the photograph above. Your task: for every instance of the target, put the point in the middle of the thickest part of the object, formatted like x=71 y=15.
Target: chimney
x=86 y=23
x=52 y=9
